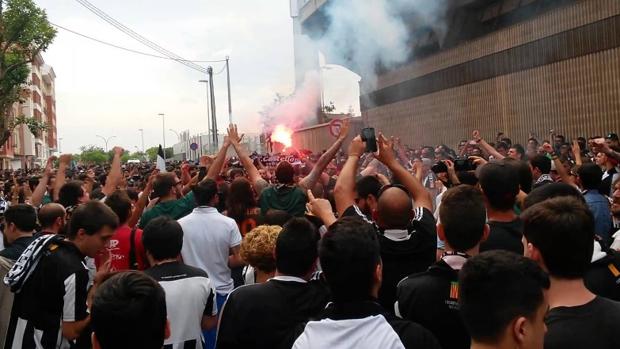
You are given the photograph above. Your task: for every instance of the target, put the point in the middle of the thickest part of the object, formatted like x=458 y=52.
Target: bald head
x=394 y=209
x=52 y=217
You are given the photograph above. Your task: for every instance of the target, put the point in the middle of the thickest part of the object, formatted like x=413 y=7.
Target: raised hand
x=386 y=150
x=476 y=135
x=118 y=151
x=548 y=148
x=65 y=159
x=357 y=147
x=49 y=166
x=344 y=129
x=233 y=135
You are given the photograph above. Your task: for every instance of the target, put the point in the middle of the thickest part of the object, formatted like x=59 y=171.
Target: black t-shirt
x=431 y=300
x=405 y=256
x=263 y=315
x=16 y=249
x=603 y=277
x=592 y=325
x=504 y=236
x=55 y=292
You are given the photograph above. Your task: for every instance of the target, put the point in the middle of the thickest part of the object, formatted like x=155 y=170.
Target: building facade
x=516 y=66
x=24 y=149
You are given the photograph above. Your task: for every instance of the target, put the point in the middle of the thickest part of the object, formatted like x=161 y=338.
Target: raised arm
x=486 y=147
x=559 y=166
x=142 y=201
x=601 y=146
x=61 y=175
x=344 y=191
x=115 y=174
x=386 y=155
x=310 y=180
x=244 y=158
x=41 y=189
x=576 y=149
x=216 y=166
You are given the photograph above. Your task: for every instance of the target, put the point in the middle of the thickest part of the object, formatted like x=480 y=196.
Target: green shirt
x=174 y=209
x=285 y=198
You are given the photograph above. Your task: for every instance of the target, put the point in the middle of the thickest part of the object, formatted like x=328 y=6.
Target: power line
x=139 y=37
x=128 y=49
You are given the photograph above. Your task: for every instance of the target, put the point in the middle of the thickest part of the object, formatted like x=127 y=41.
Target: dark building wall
x=559 y=69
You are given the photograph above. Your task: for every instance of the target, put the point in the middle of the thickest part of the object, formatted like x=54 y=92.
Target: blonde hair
x=257 y=247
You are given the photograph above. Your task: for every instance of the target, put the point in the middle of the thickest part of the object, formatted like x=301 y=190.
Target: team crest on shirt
x=452 y=302
x=454 y=290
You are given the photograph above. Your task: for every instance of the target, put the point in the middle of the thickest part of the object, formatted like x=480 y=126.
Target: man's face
x=91 y=245
x=601 y=159
x=512 y=153
x=558 y=141
x=502 y=151
x=611 y=142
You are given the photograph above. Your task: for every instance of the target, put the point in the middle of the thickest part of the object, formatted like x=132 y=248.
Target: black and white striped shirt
x=190 y=295
x=56 y=292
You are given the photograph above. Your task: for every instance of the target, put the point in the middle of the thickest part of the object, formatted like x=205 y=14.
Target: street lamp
x=59 y=147
x=176 y=133
x=163 y=131
x=106 y=140
x=142 y=134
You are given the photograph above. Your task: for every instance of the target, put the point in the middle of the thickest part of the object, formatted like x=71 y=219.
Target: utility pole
x=228 y=81
x=142 y=136
x=213 y=113
x=163 y=131
x=206 y=82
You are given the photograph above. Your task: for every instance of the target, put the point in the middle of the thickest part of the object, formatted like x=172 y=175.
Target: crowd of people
x=492 y=244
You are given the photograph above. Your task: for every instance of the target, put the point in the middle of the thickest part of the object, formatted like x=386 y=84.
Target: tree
x=25 y=32
x=152 y=153
x=93 y=155
x=329 y=108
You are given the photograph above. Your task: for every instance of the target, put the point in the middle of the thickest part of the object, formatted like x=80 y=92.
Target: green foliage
x=35 y=126
x=93 y=155
x=25 y=32
x=152 y=153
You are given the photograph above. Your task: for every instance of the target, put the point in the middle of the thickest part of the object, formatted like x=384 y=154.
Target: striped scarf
x=28 y=261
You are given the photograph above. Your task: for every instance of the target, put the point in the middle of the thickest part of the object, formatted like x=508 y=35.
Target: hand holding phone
x=368 y=136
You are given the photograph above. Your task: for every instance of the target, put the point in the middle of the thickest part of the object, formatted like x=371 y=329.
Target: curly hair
x=258 y=246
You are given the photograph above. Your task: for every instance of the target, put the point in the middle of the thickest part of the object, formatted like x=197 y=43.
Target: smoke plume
x=362 y=36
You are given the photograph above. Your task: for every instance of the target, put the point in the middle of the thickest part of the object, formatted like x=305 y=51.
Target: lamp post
x=176 y=133
x=163 y=131
x=59 y=146
x=106 y=140
x=142 y=136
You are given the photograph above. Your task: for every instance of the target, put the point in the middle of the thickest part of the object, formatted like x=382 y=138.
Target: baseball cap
x=612 y=136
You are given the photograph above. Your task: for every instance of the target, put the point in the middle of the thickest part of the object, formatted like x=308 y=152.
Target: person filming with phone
x=403 y=218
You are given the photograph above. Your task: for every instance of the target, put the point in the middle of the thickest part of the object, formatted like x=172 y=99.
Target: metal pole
x=142 y=135
x=59 y=145
x=228 y=81
x=208 y=116
x=213 y=113
x=163 y=131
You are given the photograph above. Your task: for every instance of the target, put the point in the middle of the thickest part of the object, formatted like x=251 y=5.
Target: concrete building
x=182 y=149
x=517 y=66
x=23 y=149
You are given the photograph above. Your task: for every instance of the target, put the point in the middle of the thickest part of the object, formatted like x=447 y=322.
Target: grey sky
x=105 y=91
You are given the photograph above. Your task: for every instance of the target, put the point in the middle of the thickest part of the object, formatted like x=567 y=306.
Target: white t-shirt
x=208 y=237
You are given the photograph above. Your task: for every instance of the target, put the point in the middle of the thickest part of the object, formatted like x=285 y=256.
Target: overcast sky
x=104 y=91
